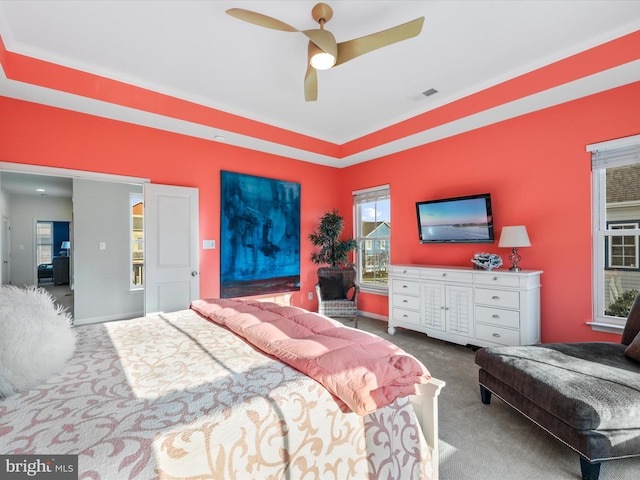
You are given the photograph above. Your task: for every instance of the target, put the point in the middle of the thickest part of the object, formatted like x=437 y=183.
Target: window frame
x=635 y=226
x=40 y=245
x=614 y=153
x=134 y=199
x=360 y=197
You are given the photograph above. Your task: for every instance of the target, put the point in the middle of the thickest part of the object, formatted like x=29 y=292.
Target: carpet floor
x=488 y=442
x=62 y=295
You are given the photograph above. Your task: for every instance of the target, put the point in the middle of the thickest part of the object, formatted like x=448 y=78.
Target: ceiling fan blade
x=324 y=39
x=260 y=19
x=310 y=79
x=359 y=46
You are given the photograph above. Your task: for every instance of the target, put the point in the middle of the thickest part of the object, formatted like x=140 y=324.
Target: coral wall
x=538 y=173
x=535 y=166
x=40 y=135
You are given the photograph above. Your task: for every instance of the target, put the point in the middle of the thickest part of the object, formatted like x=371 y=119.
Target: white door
x=171 y=241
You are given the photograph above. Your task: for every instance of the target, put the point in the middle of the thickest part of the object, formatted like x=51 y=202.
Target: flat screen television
x=456 y=220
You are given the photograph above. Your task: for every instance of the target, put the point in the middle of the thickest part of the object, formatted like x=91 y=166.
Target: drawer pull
x=405 y=315
x=444 y=274
x=495 y=315
x=495 y=279
x=405 y=301
x=497 y=335
x=405 y=286
x=495 y=297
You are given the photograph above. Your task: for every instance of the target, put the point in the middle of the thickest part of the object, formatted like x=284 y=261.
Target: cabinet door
x=459 y=308
x=433 y=297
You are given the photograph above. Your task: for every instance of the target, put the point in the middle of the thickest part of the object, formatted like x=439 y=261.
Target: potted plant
x=336 y=289
x=333 y=250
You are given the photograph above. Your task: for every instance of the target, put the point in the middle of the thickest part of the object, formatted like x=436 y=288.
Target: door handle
x=194 y=273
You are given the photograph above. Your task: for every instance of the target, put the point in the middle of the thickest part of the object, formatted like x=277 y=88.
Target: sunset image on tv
x=460 y=220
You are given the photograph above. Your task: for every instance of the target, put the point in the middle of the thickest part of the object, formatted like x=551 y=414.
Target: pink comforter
x=363 y=370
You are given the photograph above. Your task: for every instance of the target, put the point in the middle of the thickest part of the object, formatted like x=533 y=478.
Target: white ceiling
x=192 y=50
x=38 y=185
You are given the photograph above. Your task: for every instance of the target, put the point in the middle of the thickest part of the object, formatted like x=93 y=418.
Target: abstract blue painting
x=259 y=235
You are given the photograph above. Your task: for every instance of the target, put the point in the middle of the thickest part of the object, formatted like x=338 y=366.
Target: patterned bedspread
x=175 y=396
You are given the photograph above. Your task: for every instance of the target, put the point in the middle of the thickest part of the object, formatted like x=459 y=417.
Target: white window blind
x=615 y=153
x=371 y=194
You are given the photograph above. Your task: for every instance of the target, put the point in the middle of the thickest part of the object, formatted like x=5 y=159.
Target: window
x=616 y=223
x=622 y=250
x=44 y=242
x=373 y=233
x=137 y=240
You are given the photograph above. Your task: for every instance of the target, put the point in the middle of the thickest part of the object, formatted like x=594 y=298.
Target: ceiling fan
x=324 y=51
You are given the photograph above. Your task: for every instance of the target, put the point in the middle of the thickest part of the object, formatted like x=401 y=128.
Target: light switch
x=103 y=245
x=208 y=244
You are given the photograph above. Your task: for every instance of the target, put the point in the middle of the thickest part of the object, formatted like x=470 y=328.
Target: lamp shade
x=515 y=236
x=66 y=245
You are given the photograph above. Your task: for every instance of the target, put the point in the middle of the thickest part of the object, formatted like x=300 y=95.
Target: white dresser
x=466 y=306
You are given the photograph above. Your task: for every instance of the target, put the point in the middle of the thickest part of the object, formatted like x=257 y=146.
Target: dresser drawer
x=497 y=279
x=498 y=298
x=448 y=276
x=402 y=271
x=406 y=301
x=498 y=317
x=401 y=315
x=408 y=287
x=499 y=335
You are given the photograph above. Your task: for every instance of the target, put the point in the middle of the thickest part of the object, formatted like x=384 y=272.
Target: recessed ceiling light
x=219 y=138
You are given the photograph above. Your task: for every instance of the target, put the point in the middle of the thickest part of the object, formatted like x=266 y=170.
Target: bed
x=178 y=396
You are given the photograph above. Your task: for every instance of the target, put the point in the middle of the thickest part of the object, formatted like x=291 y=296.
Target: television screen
x=456 y=220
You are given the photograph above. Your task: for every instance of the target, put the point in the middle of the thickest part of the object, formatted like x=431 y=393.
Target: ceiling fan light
x=323 y=61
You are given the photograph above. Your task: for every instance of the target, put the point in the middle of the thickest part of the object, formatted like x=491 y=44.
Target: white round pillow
x=36 y=338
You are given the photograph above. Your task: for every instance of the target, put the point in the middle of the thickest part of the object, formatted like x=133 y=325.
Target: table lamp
x=514 y=237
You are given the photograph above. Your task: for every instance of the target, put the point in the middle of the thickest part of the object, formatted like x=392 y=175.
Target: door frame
x=6 y=248
x=68 y=173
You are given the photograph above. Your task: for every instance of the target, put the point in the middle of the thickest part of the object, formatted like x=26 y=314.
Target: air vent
x=428 y=93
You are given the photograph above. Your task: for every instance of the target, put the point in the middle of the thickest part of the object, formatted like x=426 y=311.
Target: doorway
x=53 y=249
x=55 y=199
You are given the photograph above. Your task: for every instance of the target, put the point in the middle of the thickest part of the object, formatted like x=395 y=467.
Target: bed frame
x=426 y=408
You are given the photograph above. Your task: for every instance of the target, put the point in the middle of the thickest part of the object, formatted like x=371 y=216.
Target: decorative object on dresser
x=466 y=306
x=514 y=237
x=486 y=261
x=336 y=288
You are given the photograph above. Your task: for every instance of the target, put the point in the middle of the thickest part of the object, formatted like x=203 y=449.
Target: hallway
x=62 y=294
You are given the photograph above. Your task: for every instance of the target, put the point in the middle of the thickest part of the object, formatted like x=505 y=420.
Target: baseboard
x=375 y=316
x=107 y=318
